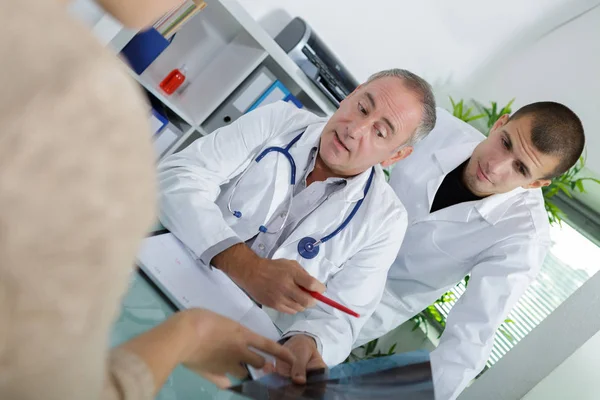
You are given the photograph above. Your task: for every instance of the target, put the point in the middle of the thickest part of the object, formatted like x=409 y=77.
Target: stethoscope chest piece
x=307 y=248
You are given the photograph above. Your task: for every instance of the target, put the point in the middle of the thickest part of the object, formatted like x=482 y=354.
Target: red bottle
x=173 y=81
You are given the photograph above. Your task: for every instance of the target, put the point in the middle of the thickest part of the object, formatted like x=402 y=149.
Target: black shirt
x=452 y=190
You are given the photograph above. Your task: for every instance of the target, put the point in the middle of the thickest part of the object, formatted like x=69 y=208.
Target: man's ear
x=538 y=184
x=503 y=120
x=397 y=156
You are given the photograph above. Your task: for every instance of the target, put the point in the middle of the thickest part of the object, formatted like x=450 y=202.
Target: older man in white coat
x=228 y=197
x=475 y=207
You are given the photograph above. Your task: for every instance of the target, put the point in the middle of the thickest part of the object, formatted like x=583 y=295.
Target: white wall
x=443 y=41
x=576 y=378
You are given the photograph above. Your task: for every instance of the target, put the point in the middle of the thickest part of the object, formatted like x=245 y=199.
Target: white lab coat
x=500 y=240
x=195 y=186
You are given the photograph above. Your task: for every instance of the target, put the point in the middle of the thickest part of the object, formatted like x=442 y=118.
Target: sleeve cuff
x=288 y=335
x=129 y=377
x=220 y=247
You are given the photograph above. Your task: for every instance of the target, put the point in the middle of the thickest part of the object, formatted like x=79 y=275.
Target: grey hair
x=423 y=89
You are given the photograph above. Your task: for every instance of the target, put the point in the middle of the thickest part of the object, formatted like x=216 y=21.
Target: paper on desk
x=191 y=284
x=255 y=319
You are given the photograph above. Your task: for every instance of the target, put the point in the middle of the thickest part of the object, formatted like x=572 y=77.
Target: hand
x=307 y=356
x=274 y=283
x=278 y=284
x=219 y=345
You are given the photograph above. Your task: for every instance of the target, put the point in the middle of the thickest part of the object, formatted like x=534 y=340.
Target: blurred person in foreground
x=77 y=196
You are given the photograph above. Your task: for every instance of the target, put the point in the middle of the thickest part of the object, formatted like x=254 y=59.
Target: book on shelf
x=172 y=21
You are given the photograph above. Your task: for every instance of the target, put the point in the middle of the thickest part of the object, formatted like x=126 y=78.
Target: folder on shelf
x=276 y=92
x=164 y=139
x=143 y=49
x=157 y=121
x=171 y=22
x=259 y=89
x=292 y=99
x=241 y=99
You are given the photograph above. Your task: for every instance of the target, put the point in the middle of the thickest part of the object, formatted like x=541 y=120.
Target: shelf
x=218 y=55
x=198 y=42
x=209 y=88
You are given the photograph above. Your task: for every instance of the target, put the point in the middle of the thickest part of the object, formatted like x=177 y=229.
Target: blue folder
x=270 y=96
x=144 y=48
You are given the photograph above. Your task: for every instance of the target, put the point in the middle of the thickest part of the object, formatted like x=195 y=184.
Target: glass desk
x=143 y=308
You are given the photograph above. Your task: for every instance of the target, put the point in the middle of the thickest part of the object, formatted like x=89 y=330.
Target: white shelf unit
x=225 y=72
x=220 y=47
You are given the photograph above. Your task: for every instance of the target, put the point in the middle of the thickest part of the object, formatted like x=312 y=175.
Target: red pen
x=332 y=303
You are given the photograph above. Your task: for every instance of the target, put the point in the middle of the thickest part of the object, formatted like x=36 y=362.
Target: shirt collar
x=491 y=208
x=353 y=187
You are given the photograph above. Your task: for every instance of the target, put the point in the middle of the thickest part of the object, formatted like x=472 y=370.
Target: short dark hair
x=555 y=130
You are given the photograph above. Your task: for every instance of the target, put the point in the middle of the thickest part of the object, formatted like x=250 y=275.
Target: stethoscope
x=308 y=247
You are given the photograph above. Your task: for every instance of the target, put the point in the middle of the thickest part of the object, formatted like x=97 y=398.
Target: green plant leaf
x=564 y=188
x=555 y=215
x=467 y=113
x=462 y=112
x=436 y=314
x=391 y=350
x=474 y=117
x=507 y=108
x=506 y=335
x=417 y=320
x=452 y=102
x=590 y=179
x=371 y=347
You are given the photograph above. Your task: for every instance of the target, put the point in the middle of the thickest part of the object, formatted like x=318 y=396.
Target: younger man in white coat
x=475 y=207
x=231 y=207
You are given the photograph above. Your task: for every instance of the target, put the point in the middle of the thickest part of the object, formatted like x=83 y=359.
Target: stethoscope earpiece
x=237 y=214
